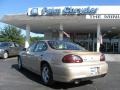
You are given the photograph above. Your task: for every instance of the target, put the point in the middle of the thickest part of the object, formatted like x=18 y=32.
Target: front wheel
x=19 y=63
x=5 y=55
x=46 y=75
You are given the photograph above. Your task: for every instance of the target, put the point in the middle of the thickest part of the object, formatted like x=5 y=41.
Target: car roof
x=53 y=40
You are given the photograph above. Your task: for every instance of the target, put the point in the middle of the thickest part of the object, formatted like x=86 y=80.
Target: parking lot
x=13 y=79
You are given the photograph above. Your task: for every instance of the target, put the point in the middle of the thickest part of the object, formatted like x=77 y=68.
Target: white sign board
x=105 y=16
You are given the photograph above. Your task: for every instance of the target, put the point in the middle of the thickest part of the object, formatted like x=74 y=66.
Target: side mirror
x=24 y=49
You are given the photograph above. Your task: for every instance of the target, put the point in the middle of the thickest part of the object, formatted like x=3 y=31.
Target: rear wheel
x=46 y=74
x=5 y=55
x=19 y=63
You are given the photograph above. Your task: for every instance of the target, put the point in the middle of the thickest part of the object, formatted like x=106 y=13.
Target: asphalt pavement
x=13 y=79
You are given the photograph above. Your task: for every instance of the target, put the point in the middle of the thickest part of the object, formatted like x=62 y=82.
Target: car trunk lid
x=86 y=55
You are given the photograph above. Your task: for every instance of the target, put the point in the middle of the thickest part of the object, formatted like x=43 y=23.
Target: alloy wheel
x=46 y=75
x=5 y=55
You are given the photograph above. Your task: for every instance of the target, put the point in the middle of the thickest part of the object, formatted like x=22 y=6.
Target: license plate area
x=94 y=71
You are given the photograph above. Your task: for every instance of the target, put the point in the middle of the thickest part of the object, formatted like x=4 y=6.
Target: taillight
x=72 y=59
x=102 y=57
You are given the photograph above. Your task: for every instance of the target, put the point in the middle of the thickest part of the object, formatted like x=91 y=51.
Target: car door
x=40 y=48
x=11 y=49
x=27 y=56
x=17 y=48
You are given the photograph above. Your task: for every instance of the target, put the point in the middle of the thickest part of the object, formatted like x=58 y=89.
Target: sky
x=21 y=6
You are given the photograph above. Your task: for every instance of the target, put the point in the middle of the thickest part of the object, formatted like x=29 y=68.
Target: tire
x=46 y=75
x=19 y=63
x=5 y=55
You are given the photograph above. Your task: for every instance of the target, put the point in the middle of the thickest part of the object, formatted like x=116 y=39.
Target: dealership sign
x=103 y=16
x=52 y=11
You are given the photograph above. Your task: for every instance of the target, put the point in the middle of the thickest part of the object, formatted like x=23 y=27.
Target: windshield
x=4 y=44
x=62 y=45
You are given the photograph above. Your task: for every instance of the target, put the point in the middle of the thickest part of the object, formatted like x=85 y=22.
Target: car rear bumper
x=81 y=72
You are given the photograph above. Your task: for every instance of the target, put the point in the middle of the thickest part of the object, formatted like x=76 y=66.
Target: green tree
x=11 y=33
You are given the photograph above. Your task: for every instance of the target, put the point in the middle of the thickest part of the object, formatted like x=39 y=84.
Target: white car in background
x=62 y=61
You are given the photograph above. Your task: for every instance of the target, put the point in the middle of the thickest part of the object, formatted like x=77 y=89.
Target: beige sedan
x=62 y=61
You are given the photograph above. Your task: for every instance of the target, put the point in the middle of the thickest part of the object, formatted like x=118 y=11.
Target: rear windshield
x=63 y=45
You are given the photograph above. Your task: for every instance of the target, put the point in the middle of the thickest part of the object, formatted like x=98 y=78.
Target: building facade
x=89 y=26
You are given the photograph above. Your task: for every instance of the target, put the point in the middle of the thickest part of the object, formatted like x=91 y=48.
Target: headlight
x=1 y=50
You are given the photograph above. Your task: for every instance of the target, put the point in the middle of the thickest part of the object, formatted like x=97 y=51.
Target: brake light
x=102 y=57
x=72 y=59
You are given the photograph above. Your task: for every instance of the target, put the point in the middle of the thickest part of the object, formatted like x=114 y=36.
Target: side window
x=41 y=46
x=32 y=47
x=12 y=45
